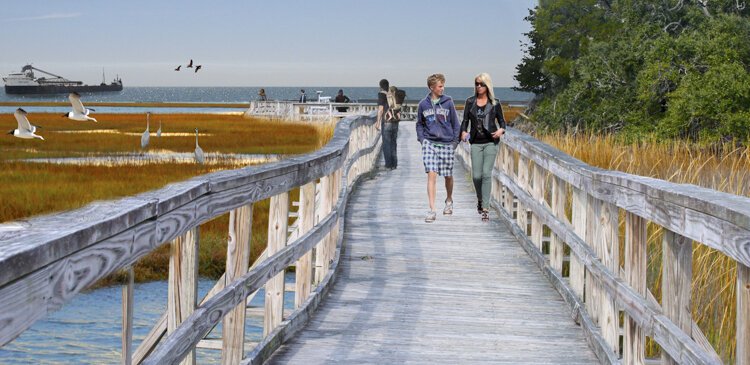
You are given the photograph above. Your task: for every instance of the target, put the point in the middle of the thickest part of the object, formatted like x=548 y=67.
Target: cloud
x=43 y=17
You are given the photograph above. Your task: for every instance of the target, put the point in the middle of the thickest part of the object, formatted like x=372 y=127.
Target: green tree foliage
x=679 y=68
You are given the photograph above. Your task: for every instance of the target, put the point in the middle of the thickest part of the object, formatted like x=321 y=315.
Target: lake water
x=234 y=95
x=87 y=330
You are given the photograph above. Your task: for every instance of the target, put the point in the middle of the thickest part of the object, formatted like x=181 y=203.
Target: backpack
x=395 y=99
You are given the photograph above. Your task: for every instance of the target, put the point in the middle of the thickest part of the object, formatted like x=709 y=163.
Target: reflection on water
x=163 y=156
x=87 y=330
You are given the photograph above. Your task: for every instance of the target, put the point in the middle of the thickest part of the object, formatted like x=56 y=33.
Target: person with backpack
x=482 y=127
x=388 y=124
x=438 y=130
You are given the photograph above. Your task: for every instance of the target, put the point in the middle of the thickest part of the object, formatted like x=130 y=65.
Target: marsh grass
x=720 y=167
x=31 y=189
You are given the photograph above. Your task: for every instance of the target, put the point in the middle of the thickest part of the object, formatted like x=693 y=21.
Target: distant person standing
x=341 y=98
x=389 y=129
x=438 y=130
x=302 y=96
x=482 y=126
x=262 y=95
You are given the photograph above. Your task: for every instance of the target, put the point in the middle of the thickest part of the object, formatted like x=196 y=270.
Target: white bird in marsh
x=158 y=131
x=198 y=151
x=25 y=129
x=79 y=112
x=144 y=137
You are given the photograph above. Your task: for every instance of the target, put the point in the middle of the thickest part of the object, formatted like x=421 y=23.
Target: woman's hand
x=498 y=133
x=464 y=136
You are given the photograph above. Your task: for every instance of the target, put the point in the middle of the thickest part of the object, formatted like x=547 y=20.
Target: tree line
x=674 y=68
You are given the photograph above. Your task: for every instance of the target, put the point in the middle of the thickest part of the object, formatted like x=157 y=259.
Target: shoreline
x=128 y=104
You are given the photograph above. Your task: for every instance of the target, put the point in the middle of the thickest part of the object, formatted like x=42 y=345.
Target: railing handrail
x=46 y=260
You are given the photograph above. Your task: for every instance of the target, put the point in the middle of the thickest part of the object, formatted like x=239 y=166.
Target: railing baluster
x=238 y=261
x=127 y=318
x=634 y=343
x=743 y=315
x=508 y=169
x=609 y=244
x=677 y=274
x=303 y=271
x=522 y=214
x=278 y=216
x=182 y=288
x=559 y=197
x=577 y=269
x=592 y=240
x=538 y=193
x=322 y=210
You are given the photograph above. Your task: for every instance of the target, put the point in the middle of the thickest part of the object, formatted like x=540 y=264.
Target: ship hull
x=61 y=89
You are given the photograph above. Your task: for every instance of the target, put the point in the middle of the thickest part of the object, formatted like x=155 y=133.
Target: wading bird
x=79 y=112
x=158 y=131
x=25 y=128
x=144 y=137
x=178 y=67
x=198 y=67
x=198 y=151
x=190 y=65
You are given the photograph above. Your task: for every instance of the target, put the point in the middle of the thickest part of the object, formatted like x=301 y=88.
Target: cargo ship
x=25 y=82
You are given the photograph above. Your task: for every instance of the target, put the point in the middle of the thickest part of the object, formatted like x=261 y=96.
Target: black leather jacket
x=491 y=121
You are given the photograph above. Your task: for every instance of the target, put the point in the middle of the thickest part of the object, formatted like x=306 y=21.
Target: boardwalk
x=455 y=291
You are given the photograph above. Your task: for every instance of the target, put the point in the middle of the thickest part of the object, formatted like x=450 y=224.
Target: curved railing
x=45 y=261
x=539 y=181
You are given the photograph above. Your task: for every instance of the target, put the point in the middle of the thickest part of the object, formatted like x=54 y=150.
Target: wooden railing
x=533 y=184
x=315 y=111
x=45 y=261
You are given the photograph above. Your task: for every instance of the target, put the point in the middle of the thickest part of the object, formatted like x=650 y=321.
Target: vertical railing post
x=634 y=343
x=559 y=197
x=127 y=319
x=508 y=169
x=609 y=242
x=743 y=315
x=677 y=274
x=182 y=288
x=322 y=209
x=577 y=269
x=238 y=261
x=278 y=216
x=303 y=271
x=537 y=193
x=593 y=297
x=522 y=215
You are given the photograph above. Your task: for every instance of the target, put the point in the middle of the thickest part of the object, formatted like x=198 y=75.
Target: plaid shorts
x=438 y=157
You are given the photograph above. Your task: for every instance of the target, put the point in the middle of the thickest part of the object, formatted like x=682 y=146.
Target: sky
x=266 y=43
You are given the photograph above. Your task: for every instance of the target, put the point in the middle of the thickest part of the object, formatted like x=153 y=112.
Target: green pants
x=482 y=160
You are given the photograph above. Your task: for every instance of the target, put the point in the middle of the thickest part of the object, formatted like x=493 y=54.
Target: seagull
x=79 y=112
x=158 y=131
x=190 y=65
x=178 y=67
x=25 y=128
x=198 y=67
x=144 y=137
x=198 y=150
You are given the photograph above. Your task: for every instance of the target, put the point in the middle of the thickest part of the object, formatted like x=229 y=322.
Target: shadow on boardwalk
x=454 y=291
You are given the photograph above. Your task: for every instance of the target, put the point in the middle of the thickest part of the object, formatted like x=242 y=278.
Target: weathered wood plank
x=610 y=255
x=303 y=270
x=556 y=248
x=634 y=342
x=677 y=276
x=182 y=289
x=538 y=182
x=522 y=215
x=577 y=270
x=238 y=261
x=593 y=240
x=743 y=315
x=278 y=217
x=127 y=319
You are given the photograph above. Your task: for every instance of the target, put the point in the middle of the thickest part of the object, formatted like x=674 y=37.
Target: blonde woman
x=482 y=126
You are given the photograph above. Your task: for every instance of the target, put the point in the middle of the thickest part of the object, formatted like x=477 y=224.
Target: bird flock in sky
x=189 y=65
x=26 y=130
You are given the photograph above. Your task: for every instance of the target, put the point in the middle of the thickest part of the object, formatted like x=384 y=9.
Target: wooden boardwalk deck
x=455 y=291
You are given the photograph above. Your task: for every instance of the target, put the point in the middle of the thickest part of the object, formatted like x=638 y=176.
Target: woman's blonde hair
x=487 y=80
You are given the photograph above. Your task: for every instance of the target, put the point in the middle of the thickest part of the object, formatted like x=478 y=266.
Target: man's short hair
x=434 y=78
x=384 y=84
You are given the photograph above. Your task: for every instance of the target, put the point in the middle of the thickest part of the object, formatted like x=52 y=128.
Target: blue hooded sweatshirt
x=438 y=122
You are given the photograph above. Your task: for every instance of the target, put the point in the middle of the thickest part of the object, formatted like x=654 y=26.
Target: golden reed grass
x=724 y=168
x=39 y=188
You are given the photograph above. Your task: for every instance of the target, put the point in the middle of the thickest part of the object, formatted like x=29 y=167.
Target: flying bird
x=198 y=150
x=178 y=67
x=25 y=128
x=145 y=136
x=197 y=67
x=79 y=112
x=190 y=65
x=158 y=131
